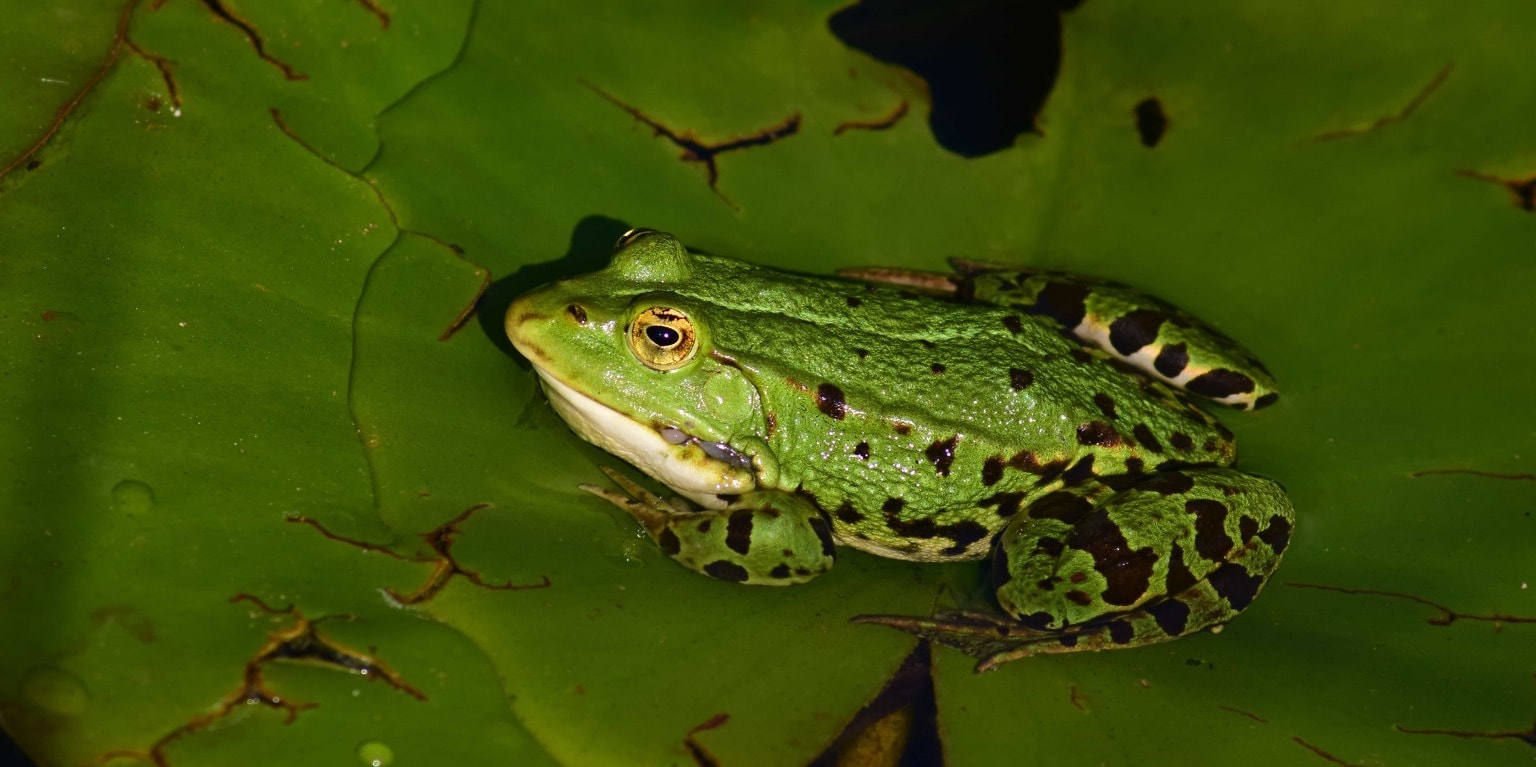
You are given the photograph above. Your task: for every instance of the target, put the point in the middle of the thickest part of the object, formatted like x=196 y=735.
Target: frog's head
x=625 y=357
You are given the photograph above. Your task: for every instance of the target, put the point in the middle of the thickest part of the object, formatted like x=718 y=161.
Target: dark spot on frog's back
x=1266 y=400
x=1181 y=442
x=1135 y=330
x=937 y=368
x=1277 y=534
x=577 y=313
x=1168 y=483
x=861 y=450
x=942 y=453
x=779 y=571
x=1127 y=572
x=1099 y=434
x=1014 y=324
x=829 y=400
x=992 y=470
x=1172 y=616
x=1020 y=380
x=1144 y=436
x=824 y=534
x=1106 y=405
x=853 y=301
x=1079 y=472
x=1062 y=302
x=668 y=541
x=848 y=514
x=964 y=534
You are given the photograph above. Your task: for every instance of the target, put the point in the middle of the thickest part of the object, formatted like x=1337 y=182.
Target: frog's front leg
x=1092 y=567
x=1150 y=334
x=766 y=537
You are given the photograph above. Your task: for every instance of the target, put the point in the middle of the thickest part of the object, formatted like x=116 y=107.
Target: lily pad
x=276 y=494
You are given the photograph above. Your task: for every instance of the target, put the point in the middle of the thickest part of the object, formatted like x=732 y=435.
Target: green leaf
x=254 y=445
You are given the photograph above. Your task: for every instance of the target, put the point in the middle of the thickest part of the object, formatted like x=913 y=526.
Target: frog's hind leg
x=1157 y=338
x=765 y=537
x=1093 y=568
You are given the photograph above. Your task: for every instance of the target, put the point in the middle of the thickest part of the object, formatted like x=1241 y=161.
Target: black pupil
x=662 y=336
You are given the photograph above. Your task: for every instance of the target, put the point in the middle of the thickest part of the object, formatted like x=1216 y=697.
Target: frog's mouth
x=699 y=469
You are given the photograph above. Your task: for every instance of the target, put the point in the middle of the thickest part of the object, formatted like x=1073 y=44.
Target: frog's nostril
x=577 y=313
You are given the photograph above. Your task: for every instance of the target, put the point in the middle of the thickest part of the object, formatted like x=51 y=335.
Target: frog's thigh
x=767 y=538
x=1179 y=552
x=1161 y=340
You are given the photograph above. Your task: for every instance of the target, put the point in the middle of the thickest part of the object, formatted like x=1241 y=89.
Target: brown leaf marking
x=300 y=641
x=1249 y=714
x=701 y=756
x=696 y=149
x=1475 y=472
x=1524 y=189
x=1446 y=617
x=878 y=123
x=1324 y=754
x=216 y=7
x=440 y=541
x=1402 y=114
x=172 y=91
x=118 y=39
x=379 y=13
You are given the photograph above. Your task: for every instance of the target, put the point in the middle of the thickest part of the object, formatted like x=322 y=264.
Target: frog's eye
x=663 y=338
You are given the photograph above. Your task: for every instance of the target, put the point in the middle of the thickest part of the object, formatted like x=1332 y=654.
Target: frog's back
x=922 y=426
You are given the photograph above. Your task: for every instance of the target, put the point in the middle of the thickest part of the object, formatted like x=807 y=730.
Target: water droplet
x=55 y=691
x=132 y=497
x=375 y=754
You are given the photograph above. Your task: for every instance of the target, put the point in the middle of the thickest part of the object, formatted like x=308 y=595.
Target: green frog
x=1038 y=420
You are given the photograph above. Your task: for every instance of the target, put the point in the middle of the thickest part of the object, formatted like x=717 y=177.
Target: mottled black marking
x=1211 y=539
x=1127 y=572
x=1278 y=534
x=728 y=498
x=1014 y=324
x=1080 y=471
x=1220 y=383
x=780 y=571
x=853 y=301
x=738 y=531
x=847 y=513
x=1082 y=356
x=577 y=313
x=1063 y=302
x=1050 y=547
x=901 y=427
x=942 y=453
x=1068 y=640
x=862 y=451
x=668 y=542
x=926 y=344
x=1121 y=631
x=1247 y=528
x=1106 y=405
x=937 y=368
x=1020 y=379
x=963 y=534
x=1181 y=442
x=726 y=571
x=1146 y=438
x=1210 y=445
x=1135 y=330
x=1169 y=483
x=1134 y=466
x=829 y=400
x=1065 y=506
x=1099 y=434
x=1038 y=621
x=1235 y=584
x=1050 y=471
x=705 y=524
x=824 y=534
x=1079 y=597
x=992 y=470
x=1007 y=503
x=1172 y=360
x=1179 y=578
x=892 y=506
x=1046 y=584
x=861 y=352
x=1223 y=431
x=1172 y=616
x=1266 y=400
